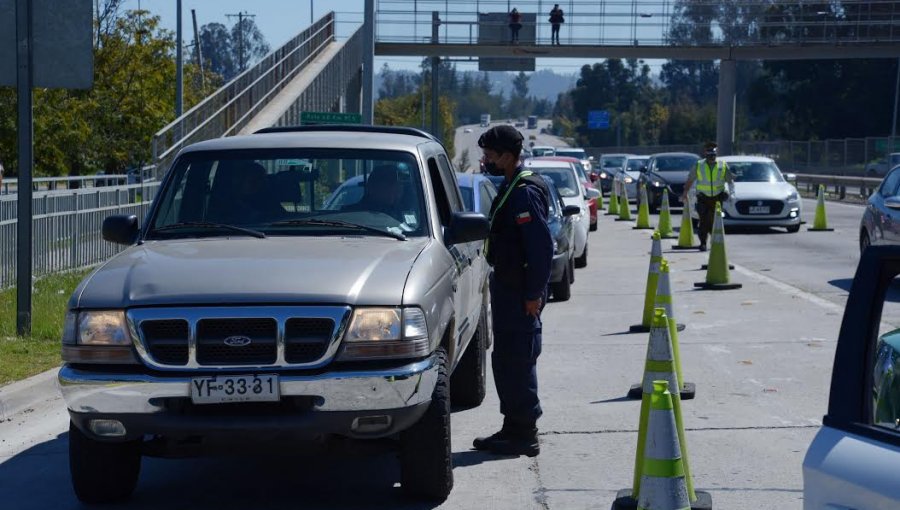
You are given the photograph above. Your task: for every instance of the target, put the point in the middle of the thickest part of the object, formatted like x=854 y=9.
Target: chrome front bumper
x=109 y=393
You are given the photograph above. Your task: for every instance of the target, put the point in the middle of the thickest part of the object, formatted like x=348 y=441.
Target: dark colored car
x=667 y=171
x=478 y=192
x=881 y=220
x=607 y=167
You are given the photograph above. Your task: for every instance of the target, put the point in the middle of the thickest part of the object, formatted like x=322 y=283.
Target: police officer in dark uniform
x=520 y=248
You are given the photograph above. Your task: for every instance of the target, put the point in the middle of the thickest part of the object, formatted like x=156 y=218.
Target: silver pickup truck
x=299 y=283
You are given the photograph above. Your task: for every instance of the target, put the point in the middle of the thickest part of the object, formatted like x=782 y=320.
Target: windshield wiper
x=210 y=225
x=342 y=224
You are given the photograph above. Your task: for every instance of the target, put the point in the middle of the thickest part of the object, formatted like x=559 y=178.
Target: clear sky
x=279 y=20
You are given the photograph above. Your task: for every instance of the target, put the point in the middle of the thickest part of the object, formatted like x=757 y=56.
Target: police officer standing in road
x=711 y=177
x=520 y=248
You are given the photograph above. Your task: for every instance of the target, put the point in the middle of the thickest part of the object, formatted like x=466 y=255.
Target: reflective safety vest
x=710 y=181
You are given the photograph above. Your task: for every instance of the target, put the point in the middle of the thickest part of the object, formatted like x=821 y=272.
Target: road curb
x=23 y=394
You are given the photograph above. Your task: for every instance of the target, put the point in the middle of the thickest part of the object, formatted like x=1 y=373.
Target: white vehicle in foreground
x=762 y=195
x=567 y=182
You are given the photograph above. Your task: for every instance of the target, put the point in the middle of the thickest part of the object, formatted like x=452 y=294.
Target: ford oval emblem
x=238 y=341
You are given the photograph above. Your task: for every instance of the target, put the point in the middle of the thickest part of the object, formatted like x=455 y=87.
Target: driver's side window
x=890 y=184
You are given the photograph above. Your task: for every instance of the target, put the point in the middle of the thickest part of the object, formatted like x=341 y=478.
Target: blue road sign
x=598 y=119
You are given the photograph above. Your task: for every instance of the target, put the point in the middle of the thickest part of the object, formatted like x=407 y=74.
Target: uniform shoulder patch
x=522 y=218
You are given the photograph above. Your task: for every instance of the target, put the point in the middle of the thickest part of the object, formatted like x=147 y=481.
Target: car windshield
x=541 y=151
x=612 y=162
x=563 y=178
x=634 y=165
x=745 y=171
x=571 y=153
x=292 y=192
x=676 y=163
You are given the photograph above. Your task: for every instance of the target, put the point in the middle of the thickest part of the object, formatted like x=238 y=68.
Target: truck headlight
x=107 y=327
x=97 y=337
x=385 y=333
x=628 y=180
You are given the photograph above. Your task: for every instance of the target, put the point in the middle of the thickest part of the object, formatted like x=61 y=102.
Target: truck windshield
x=274 y=191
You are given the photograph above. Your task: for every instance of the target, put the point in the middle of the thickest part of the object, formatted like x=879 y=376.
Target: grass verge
x=21 y=357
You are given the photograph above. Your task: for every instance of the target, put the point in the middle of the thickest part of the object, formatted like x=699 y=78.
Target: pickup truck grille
x=289 y=337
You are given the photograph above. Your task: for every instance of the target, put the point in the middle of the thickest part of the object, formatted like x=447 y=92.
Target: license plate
x=761 y=209
x=238 y=388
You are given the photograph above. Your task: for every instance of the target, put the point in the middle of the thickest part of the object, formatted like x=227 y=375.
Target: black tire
x=562 y=290
x=102 y=472
x=426 y=462
x=468 y=380
x=571 y=270
x=582 y=261
x=793 y=229
x=593 y=227
x=864 y=241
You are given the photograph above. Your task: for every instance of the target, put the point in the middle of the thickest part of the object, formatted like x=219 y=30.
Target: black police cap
x=502 y=138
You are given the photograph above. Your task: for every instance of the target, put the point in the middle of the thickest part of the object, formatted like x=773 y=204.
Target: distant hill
x=544 y=84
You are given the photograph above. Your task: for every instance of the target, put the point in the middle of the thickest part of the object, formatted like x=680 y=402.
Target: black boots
x=515 y=438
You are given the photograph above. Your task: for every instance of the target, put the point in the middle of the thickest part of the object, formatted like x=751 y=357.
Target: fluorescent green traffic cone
x=652 y=284
x=820 y=223
x=613 y=209
x=624 y=206
x=717 y=275
x=643 y=220
x=665 y=218
x=686 y=234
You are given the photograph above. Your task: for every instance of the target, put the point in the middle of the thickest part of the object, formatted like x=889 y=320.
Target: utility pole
x=240 y=16
x=25 y=122
x=179 y=64
x=199 y=49
x=311 y=19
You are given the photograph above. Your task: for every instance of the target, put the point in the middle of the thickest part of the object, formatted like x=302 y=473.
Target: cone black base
x=640 y=328
x=668 y=237
x=687 y=392
x=624 y=219
x=679 y=247
x=717 y=286
x=820 y=230
x=624 y=501
x=641 y=228
x=704 y=267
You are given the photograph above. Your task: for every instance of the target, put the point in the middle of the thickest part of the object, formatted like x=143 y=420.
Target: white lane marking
x=790 y=289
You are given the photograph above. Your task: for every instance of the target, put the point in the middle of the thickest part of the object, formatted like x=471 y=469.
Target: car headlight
x=97 y=337
x=658 y=184
x=604 y=175
x=628 y=180
x=107 y=327
x=794 y=196
x=385 y=333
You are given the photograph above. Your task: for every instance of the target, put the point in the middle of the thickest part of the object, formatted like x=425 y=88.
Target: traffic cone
x=652 y=282
x=820 y=223
x=717 y=276
x=650 y=485
x=624 y=206
x=643 y=220
x=665 y=301
x=613 y=209
x=600 y=201
x=686 y=234
x=665 y=218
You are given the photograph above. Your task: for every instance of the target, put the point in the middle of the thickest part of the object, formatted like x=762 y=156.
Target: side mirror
x=120 y=229
x=892 y=202
x=592 y=193
x=790 y=177
x=594 y=177
x=590 y=158
x=571 y=210
x=466 y=227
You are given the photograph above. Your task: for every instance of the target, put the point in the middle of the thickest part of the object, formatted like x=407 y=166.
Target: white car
x=630 y=175
x=543 y=150
x=578 y=153
x=569 y=185
x=762 y=197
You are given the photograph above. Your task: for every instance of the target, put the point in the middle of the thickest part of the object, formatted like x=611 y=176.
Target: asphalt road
x=464 y=141
x=760 y=356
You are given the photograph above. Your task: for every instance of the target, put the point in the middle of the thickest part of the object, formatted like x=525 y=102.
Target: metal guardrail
x=10 y=186
x=62 y=201
x=837 y=186
x=69 y=239
x=227 y=110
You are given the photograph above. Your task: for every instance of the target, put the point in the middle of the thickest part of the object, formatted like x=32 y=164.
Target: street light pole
x=179 y=64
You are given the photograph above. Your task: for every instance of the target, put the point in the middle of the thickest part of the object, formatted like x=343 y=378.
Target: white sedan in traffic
x=762 y=196
x=564 y=176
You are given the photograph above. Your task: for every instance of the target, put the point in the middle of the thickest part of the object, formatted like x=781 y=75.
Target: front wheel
x=582 y=261
x=562 y=290
x=102 y=472
x=426 y=463
x=468 y=379
x=793 y=229
x=864 y=241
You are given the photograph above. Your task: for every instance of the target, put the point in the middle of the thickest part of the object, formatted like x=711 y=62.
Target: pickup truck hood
x=284 y=270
